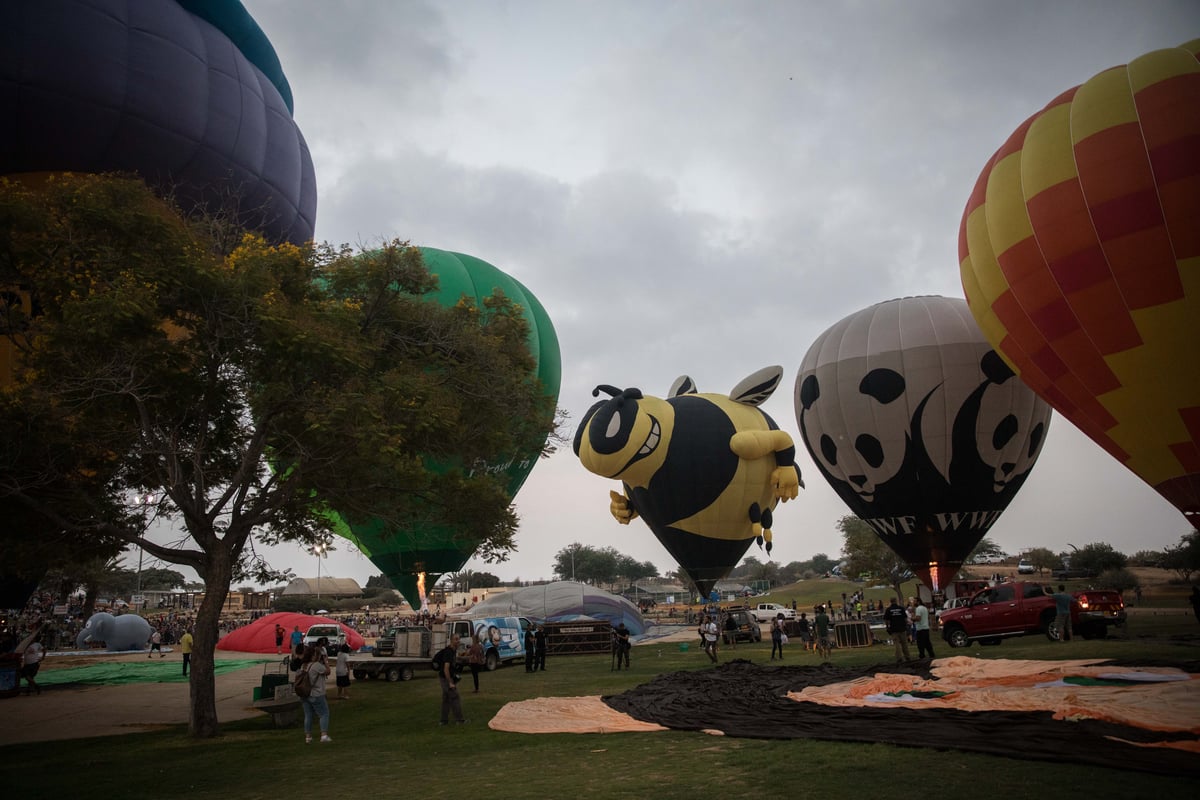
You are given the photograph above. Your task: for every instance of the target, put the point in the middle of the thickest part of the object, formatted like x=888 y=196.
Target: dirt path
x=69 y=712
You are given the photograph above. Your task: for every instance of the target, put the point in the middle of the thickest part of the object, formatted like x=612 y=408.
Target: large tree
x=247 y=388
x=866 y=554
x=1184 y=557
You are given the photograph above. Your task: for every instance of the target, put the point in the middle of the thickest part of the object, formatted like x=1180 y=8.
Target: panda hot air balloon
x=919 y=427
x=1080 y=259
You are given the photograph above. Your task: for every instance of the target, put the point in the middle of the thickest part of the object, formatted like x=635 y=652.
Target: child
x=342 y=671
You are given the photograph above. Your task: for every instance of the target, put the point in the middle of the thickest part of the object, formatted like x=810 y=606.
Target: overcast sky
x=701 y=188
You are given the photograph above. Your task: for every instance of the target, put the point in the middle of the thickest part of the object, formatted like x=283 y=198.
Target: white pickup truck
x=765 y=612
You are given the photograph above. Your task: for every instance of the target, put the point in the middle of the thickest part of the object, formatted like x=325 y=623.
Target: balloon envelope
x=919 y=427
x=685 y=471
x=259 y=635
x=432 y=548
x=1080 y=259
x=189 y=95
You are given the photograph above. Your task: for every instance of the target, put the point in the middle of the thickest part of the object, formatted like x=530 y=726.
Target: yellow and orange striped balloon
x=1080 y=258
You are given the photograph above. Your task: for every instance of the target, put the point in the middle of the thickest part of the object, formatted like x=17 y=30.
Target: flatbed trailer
x=399 y=656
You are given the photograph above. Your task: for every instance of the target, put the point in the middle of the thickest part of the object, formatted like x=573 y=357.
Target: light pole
x=142 y=500
x=318 y=550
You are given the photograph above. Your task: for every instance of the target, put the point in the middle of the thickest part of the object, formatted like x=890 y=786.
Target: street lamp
x=318 y=550
x=142 y=500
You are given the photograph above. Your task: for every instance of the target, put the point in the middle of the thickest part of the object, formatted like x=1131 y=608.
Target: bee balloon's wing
x=756 y=388
x=682 y=385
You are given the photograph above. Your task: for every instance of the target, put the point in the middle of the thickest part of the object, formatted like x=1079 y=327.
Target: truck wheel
x=393 y=674
x=956 y=636
x=492 y=661
x=1047 y=623
x=360 y=674
x=406 y=673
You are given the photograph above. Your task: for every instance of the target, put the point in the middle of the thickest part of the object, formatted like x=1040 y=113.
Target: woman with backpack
x=310 y=688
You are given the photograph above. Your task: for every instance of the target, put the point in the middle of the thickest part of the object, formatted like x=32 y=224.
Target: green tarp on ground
x=155 y=670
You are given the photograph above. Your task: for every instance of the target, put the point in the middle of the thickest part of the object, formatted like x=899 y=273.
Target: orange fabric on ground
x=1000 y=685
x=566 y=715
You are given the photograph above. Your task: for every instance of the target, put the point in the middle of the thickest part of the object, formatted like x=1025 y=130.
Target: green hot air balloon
x=434 y=549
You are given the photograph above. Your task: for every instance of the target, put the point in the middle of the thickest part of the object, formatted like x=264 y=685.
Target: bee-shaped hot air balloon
x=703 y=470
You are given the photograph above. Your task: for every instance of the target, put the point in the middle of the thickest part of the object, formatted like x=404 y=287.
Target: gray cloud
x=703 y=187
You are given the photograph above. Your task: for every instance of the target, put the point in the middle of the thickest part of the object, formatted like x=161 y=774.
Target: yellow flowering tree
x=245 y=387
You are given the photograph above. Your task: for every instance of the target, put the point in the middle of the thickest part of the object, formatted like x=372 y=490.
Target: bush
x=1121 y=579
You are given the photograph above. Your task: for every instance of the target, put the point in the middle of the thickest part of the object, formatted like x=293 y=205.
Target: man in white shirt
x=921 y=618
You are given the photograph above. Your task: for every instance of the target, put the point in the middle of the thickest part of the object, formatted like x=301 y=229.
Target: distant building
x=324 y=586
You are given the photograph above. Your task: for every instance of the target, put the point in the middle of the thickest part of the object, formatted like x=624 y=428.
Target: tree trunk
x=217 y=575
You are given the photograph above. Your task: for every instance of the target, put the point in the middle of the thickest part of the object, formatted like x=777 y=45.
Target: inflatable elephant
x=126 y=632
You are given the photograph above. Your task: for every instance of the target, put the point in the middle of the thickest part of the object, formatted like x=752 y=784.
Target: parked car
x=1025 y=567
x=1098 y=609
x=764 y=612
x=332 y=633
x=953 y=602
x=1007 y=609
x=747 y=629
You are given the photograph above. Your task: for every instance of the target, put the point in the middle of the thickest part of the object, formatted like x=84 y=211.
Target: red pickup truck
x=1020 y=608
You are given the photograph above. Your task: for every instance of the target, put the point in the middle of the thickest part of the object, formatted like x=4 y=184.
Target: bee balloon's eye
x=614 y=426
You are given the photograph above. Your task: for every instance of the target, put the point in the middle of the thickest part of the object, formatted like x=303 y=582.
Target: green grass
x=388 y=744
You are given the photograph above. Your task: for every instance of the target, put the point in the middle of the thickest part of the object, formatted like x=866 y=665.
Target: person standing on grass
x=710 y=638
x=475 y=660
x=530 y=649
x=448 y=676
x=1062 y=613
x=316 y=704
x=279 y=634
x=621 y=639
x=342 y=672
x=924 y=645
x=896 y=620
x=805 y=631
x=777 y=636
x=539 y=656
x=821 y=623
x=1194 y=599
x=185 y=647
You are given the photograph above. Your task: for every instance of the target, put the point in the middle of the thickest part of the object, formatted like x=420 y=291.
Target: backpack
x=439 y=659
x=303 y=684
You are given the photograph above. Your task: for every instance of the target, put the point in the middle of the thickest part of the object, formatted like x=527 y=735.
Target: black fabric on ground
x=742 y=699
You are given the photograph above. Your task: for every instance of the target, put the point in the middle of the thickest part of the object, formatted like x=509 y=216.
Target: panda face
x=856 y=455
x=1010 y=428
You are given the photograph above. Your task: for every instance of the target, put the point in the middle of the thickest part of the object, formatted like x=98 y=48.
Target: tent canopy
x=563 y=601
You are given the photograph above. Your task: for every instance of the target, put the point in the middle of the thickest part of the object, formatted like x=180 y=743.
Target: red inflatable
x=259 y=636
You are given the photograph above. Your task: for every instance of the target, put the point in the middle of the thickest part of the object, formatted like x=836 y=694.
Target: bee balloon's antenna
x=612 y=391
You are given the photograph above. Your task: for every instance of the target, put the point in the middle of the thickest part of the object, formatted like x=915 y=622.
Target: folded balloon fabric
x=1017 y=709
